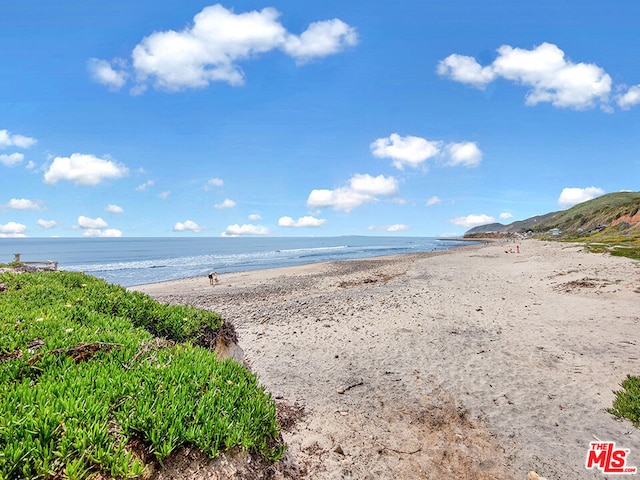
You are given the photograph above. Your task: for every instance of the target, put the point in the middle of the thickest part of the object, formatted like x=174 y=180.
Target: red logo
x=608 y=458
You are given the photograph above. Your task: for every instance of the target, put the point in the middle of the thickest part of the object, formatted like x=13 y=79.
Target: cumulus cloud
x=465 y=69
x=398 y=227
x=466 y=154
x=413 y=151
x=505 y=216
x=630 y=98
x=435 y=200
x=308 y=221
x=12 y=230
x=409 y=150
x=11 y=159
x=544 y=69
x=47 y=224
x=361 y=189
x=144 y=186
x=96 y=232
x=188 y=226
x=572 y=196
x=254 y=217
x=226 y=204
x=7 y=139
x=115 y=209
x=112 y=74
x=472 y=220
x=245 y=229
x=212 y=46
x=92 y=227
x=91 y=223
x=82 y=169
x=214 y=182
x=23 y=204
x=320 y=39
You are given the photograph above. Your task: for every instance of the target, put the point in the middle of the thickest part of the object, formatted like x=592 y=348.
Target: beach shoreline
x=472 y=362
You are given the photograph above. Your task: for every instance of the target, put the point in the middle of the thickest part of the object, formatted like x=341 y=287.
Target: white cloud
x=82 y=169
x=226 y=204
x=188 y=226
x=435 y=200
x=23 y=204
x=413 y=151
x=47 y=224
x=398 y=227
x=630 y=98
x=246 y=229
x=11 y=159
x=550 y=76
x=302 y=222
x=505 y=216
x=466 y=154
x=115 y=209
x=210 y=49
x=465 y=69
x=572 y=196
x=472 y=220
x=164 y=195
x=12 y=229
x=96 y=232
x=91 y=223
x=214 y=182
x=104 y=72
x=321 y=39
x=374 y=186
x=254 y=217
x=8 y=139
x=361 y=189
x=144 y=186
x=409 y=150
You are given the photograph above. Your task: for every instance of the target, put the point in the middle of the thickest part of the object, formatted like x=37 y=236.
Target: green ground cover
x=627 y=402
x=611 y=242
x=83 y=377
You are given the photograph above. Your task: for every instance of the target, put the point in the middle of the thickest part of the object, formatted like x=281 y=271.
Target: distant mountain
x=615 y=211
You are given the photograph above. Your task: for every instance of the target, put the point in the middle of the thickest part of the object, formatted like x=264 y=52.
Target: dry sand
x=471 y=363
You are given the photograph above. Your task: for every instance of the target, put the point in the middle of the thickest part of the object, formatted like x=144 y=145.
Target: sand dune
x=471 y=363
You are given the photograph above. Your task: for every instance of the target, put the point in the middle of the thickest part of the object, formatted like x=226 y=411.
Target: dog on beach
x=213 y=278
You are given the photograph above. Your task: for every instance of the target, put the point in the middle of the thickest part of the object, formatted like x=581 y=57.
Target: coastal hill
x=614 y=213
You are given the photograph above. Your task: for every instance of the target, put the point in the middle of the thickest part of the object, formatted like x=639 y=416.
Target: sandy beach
x=471 y=363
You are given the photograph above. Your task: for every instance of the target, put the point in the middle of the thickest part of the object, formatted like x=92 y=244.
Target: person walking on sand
x=213 y=278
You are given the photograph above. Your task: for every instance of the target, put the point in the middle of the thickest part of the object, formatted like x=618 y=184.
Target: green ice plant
x=627 y=401
x=82 y=376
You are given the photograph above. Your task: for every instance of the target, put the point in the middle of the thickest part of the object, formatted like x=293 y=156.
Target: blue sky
x=289 y=118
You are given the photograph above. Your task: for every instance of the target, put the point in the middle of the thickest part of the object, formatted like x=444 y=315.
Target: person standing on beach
x=213 y=278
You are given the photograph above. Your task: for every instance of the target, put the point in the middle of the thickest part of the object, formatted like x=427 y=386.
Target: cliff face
x=619 y=211
x=630 y=219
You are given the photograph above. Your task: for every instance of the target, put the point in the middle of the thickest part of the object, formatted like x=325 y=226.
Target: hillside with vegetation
x=610 y=222
x=98 y=380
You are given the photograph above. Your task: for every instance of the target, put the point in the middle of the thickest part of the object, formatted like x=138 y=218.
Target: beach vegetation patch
x=627 y=401
x=88 y=387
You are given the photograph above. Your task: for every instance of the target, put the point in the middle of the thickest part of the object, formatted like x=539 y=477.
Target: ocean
x=136 y=261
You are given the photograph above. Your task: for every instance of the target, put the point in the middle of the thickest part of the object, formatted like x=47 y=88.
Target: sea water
x=136 y=261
